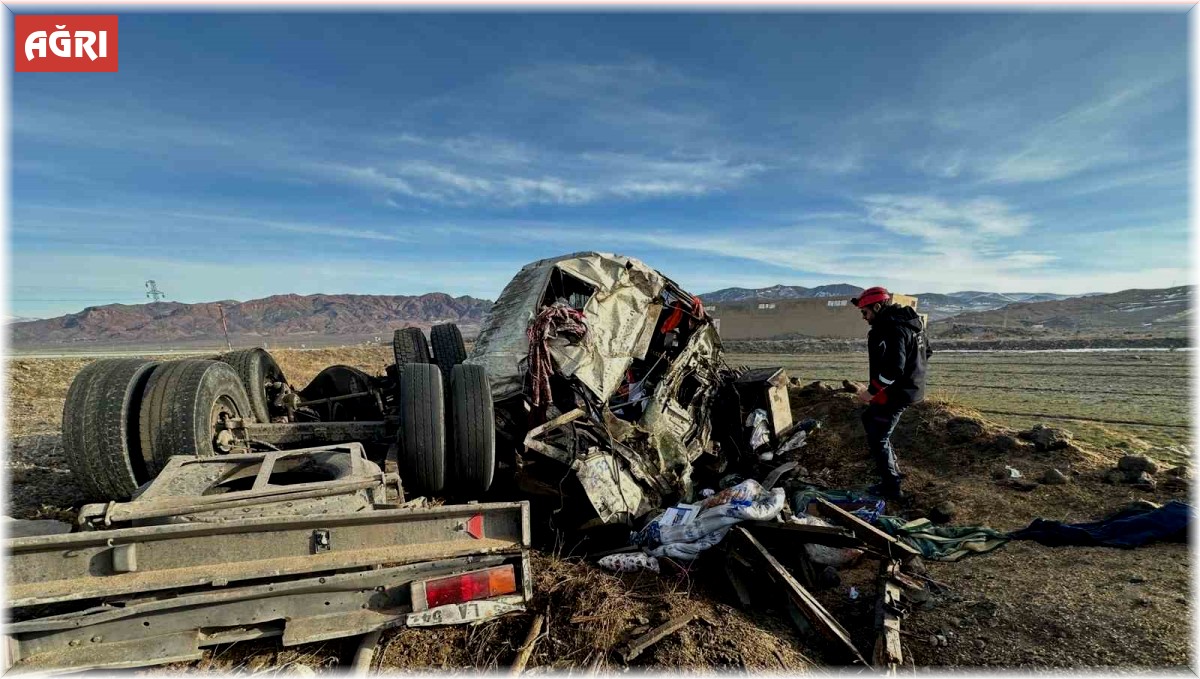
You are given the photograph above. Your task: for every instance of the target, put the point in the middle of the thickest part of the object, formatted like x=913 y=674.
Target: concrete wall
x=829 y=317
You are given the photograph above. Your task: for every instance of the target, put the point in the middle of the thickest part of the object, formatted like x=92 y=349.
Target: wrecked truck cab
x=603 y=366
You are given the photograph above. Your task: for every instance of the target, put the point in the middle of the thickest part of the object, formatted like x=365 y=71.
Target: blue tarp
x=1128 y=528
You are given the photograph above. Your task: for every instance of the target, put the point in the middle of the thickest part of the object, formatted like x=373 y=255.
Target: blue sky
x=242 y=155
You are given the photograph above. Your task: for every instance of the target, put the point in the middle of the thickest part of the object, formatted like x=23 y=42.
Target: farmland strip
x=933 y=384
x=1085 y=419
x=1043 y=373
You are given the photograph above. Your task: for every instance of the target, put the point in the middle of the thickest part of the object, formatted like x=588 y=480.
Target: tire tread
x=422 y=435
x=409 y=346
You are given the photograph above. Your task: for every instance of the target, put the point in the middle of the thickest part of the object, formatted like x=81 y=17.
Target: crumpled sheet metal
x=613 y=492
x=655 y=453
x=502 y=347
x=665 y=415
x=620 y=317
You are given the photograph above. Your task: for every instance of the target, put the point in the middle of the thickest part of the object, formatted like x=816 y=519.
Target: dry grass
x=591 y=613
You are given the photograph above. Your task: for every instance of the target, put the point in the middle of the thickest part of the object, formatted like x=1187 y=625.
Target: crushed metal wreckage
x=605 y=370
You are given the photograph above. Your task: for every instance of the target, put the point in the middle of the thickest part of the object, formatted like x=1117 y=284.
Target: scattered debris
x=809 y=607
x=878 y=540
x=629 y=563
x=778 y=472
x=364 y=654
x=526 y=649
x=656 y=635
x=888 y=613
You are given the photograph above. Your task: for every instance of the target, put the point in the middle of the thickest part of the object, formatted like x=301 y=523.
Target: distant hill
x=274 y=317
x=742 y=294
x=938 y=306
x=942 y=306
x=779 y=292
x=1141 y=310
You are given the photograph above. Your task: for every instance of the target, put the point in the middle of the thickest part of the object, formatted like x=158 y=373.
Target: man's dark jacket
x=898 y=350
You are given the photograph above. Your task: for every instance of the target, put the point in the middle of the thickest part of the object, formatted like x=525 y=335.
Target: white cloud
x=559 y=180
x=941 y=221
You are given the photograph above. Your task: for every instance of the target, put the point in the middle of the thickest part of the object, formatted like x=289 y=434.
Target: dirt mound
x=591 y=614
x=949 y=454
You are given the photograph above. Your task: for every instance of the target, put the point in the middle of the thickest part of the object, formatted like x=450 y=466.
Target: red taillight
x=456 y=589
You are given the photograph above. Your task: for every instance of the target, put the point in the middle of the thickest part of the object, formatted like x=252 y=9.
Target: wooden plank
x=830 y=536
x=888 y=654
x=877 y=539
x=812 y=609
x=535 y=630
x=656 y=635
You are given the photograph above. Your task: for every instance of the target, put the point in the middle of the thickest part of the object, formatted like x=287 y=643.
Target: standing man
x=898 y=349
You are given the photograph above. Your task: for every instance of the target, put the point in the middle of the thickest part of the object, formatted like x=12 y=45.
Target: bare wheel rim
x=223 y=408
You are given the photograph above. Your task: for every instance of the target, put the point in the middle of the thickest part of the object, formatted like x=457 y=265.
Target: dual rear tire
x=440 y=425
x=124 y=418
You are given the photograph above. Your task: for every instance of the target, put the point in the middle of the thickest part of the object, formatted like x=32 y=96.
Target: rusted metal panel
x=80 y=565
x=149 y=631
x=316 y=433
x=198 y=489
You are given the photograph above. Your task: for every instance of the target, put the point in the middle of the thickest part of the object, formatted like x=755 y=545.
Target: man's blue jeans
x=879 y=421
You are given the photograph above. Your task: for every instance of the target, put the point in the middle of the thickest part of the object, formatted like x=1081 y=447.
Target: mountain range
x=938 y=306
x=340 y=318
x=1157 y=309
x=269 y=317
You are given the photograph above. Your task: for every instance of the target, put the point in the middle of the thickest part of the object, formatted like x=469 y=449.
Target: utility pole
x=153 y=292
x=225 y=327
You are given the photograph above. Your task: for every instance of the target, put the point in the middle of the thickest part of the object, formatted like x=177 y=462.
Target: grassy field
x=1112 y=399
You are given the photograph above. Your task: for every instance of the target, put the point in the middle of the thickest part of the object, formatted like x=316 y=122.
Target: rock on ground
x=1144 y=481
x=1137 y=464
x=1047 y=438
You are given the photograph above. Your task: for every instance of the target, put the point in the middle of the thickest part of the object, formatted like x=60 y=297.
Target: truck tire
x=409 y=346
x=100 y=427
x=184 y=402
x=422 y=435
x=472 y=430
x=448 y=348
x=255 y=368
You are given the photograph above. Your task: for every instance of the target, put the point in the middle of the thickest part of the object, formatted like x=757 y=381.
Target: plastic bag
x=795 y=441
x=719 y=513
x=760 y=435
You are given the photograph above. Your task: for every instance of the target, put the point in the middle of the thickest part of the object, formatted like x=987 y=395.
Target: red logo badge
x=65 y=43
